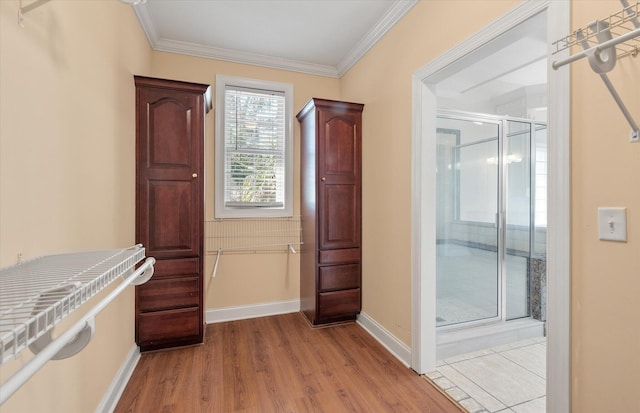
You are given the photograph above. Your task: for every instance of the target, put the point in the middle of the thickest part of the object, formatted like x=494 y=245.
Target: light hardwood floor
x=280 y=364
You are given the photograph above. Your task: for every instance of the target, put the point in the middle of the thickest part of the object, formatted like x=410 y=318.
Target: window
x=254 y=148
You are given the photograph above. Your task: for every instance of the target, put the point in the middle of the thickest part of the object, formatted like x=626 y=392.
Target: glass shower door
x=467 y=245
x=517 y=195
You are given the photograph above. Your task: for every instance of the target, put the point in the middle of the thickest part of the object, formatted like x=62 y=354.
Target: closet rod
x=290 y=248
x=39 y=360
x=597 y=49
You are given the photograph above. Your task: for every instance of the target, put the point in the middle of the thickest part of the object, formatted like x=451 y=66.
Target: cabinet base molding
x=242 y=312
x=327 y=324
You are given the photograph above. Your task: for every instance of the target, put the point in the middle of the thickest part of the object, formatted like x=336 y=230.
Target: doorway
x=426 y=83
x=491 y=193
x=491 y=197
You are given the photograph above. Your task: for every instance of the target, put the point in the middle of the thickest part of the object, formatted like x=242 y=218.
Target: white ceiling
x=323 y=37
x=327 y=37
x=515 y=61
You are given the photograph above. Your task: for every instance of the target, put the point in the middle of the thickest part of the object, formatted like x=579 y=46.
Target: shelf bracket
x=73 y=339
x=602 y=57
x=215 y=266
x=633 y=16
x=602 y=66
x=26 y=9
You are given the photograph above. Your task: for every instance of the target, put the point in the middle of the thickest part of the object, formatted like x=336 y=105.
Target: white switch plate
x=612 y=224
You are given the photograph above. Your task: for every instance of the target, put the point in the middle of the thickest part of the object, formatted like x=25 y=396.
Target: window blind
x=254 y=136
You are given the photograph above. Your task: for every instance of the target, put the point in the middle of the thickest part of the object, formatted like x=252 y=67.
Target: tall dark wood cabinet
x=330 y=269
x=170 y=118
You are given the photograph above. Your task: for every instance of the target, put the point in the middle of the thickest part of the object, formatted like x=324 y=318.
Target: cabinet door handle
x=323 y=179
x=195 y=175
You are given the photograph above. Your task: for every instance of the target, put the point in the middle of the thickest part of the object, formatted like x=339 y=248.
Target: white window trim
x=221 y=211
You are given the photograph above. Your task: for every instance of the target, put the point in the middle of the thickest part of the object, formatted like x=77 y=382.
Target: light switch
x=612 y=224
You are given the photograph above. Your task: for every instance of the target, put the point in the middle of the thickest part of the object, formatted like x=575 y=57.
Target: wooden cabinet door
x=169 y=179
x=170 y=210
x=339 y=154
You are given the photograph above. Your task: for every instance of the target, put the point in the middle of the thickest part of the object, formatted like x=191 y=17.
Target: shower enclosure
x=491 y=219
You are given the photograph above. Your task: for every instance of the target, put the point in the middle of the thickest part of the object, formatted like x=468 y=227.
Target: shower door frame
x=501 y=213
x=471 y=117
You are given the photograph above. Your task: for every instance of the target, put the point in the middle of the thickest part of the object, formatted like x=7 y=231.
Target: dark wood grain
x=170 y=118
x=331 y=156
x=279 y=364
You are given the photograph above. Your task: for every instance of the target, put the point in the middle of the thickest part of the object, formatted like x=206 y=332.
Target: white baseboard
x=455 y=342
x=400 y=350
x=242 y=312
x=112 y=396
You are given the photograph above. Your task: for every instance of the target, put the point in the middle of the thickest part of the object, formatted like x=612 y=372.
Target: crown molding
x=146 y=23
x=393 y=15
x=192 y=49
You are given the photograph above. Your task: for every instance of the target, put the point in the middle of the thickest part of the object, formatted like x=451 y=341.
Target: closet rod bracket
x=603 y=55
x=26 y=9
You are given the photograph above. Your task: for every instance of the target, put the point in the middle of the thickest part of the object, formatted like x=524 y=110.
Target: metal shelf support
x=37 y=295
x=602 y=56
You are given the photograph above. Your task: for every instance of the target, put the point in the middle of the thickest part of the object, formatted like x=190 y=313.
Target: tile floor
x=509 y=378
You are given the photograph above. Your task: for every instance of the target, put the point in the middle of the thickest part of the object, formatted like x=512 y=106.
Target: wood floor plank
x=279 y=364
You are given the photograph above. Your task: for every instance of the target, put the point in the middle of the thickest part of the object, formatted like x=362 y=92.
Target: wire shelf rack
x=37 y=294
x=619 y=24
x=252 y=235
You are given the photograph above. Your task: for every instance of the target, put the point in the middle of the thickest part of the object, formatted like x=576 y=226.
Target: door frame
x=500 y=236
x=424 y=106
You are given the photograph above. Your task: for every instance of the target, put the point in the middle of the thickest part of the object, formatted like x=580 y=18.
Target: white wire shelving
x=604 y=41
x=620 y=23
x=252 y=235
x=38 y=294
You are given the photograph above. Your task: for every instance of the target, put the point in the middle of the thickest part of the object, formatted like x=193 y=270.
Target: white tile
x=532 y=358
x=516 y=344
x=472 y=389
x=457 y=394
x=468 y=356
x=534 y=406
x=471 y=405
x=443 y=382
x=433 y=375
x=503 y=379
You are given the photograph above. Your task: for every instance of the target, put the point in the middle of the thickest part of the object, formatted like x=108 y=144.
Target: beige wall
x=67 y=168
x=605 y=172
x=605 y=275
x=382 y=81
x=244 y=279
x=67 y=180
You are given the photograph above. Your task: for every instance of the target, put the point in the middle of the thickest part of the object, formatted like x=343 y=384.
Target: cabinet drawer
x=167 y=293
x=339 y=277
x=169 y=325
x=339 y=256
x=173 y=267
x=338 y=304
